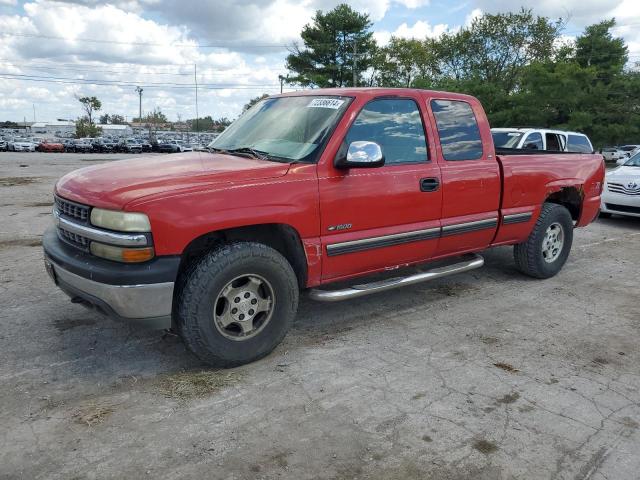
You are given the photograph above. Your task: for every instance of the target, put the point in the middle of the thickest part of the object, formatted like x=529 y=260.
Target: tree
x=402 y=61
x=155 y=117
x=90 y=105
x=598 y=48
x=84 y=128
x=333 y=42
x=114 y=119
x=253 y=101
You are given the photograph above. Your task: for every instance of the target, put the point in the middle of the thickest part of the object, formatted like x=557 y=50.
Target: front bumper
x=620 y=204
x=133 y=292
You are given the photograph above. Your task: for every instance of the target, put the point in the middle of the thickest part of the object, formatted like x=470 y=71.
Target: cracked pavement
x=484 y=375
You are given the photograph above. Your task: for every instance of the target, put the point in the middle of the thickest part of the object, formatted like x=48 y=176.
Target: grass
x=187 y=385
x=92 y=414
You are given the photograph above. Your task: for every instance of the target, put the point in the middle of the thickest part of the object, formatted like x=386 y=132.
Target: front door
x=376 y=218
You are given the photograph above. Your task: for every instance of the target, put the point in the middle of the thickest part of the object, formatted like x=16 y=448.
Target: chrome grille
x=74 y=239
x=620 y=188
x=72 y=210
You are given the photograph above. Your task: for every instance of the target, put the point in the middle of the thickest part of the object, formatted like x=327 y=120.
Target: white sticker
x=334 y=103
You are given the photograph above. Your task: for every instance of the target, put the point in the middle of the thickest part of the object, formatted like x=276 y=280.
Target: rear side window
x=533 y=142
x=395 y=125
x=458 y=130
x=579 y=143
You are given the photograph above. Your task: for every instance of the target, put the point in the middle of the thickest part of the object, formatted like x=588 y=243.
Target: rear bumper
x=142 y=293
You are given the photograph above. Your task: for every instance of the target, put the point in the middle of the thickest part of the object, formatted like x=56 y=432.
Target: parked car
x=323 y=186
x=50 y=146
x=3 y=146
x=103 y=145
x=146 y=146
x=130 y=145
x=621 y=194
x=83 y=145
x=68 y=145
x=168 y=146
x=541 y=139
x=610 y=154
x=22 y=145
x=184 y=147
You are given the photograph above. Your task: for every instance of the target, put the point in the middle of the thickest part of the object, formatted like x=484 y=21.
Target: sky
x=52 y=51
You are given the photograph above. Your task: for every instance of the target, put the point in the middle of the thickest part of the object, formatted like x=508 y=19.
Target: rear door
x=376 y=218
x=470 y=175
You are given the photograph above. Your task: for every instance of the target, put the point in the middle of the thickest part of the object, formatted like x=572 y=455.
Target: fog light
x=120 y=254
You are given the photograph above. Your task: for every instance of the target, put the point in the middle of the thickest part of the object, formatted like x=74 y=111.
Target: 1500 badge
x=342 y=226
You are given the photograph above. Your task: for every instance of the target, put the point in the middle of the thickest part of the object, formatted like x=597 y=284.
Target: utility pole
x=140 y=90
x=34 y=113
x=281 y=78
x=355 y=63
x=195 y=79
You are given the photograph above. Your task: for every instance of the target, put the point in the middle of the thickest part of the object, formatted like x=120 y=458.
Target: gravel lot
x=485 y=375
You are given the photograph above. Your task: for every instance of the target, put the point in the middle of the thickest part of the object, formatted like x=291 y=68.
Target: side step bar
x=354 y=291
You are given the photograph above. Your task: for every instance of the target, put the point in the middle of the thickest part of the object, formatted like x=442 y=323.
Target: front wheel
x=236 y=304
x=546 y=249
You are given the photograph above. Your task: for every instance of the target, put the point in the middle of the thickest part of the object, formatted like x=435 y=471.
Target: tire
x=538 y=259
x=604 y=215
x=203 y=306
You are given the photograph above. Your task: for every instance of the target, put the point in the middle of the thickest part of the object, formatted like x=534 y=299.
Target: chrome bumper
x=150 y=303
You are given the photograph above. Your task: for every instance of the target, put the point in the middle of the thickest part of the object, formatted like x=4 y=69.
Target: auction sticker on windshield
x=334 y=103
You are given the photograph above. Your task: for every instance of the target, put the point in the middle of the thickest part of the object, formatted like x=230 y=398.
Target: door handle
x=430 y=184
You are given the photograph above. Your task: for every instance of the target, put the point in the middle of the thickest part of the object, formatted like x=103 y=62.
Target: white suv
x=541 y=139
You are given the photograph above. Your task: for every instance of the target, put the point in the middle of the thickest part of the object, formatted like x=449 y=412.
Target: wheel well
x=570 y=198
x=280 y=237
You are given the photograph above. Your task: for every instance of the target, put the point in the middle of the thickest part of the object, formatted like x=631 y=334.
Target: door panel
x=471 y=182
x=378 y=204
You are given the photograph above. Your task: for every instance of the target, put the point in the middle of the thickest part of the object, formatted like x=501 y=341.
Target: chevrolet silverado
x=308 y=192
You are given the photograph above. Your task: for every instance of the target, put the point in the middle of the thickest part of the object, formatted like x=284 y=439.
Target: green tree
x=333 y=42
x=598 y=48
x=85 y=128
x=90 y=105
x=402 y=61
x=155 y=117
x=114 y=119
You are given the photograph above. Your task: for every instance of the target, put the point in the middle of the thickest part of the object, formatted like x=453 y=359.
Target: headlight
x=120 y=221
x=121 y=254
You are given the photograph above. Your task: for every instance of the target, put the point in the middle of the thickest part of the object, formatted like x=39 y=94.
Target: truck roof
x=534 y=129
x=370 y=91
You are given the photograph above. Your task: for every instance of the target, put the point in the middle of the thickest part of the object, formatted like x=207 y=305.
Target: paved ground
x=487 y=375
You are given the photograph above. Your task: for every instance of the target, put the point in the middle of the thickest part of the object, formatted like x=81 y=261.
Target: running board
x=354 y=291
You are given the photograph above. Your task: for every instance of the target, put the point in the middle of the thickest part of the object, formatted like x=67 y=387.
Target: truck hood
x=113 y=185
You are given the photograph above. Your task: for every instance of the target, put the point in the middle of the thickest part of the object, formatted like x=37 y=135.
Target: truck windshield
x=284 y=128
x=506 y=139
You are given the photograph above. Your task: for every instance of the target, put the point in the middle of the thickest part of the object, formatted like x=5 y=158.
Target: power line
x=145 y=44
x=114 y=83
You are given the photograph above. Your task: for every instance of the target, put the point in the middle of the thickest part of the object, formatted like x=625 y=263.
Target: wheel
x=236 y=304
x=546 y=250
x=604 y=215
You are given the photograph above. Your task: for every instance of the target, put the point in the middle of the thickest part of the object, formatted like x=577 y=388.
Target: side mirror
x=360 y=154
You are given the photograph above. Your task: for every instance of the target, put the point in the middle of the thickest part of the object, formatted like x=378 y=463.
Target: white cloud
x=419 y=30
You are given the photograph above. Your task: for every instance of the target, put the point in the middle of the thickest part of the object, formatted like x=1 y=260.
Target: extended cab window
x=579 y=143
x=458 y=130
x=395 y=125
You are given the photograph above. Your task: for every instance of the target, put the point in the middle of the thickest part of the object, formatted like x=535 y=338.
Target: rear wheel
x=546 y=250
x=237 y=303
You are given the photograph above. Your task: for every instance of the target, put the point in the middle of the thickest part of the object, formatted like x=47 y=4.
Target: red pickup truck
x=303 y=191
